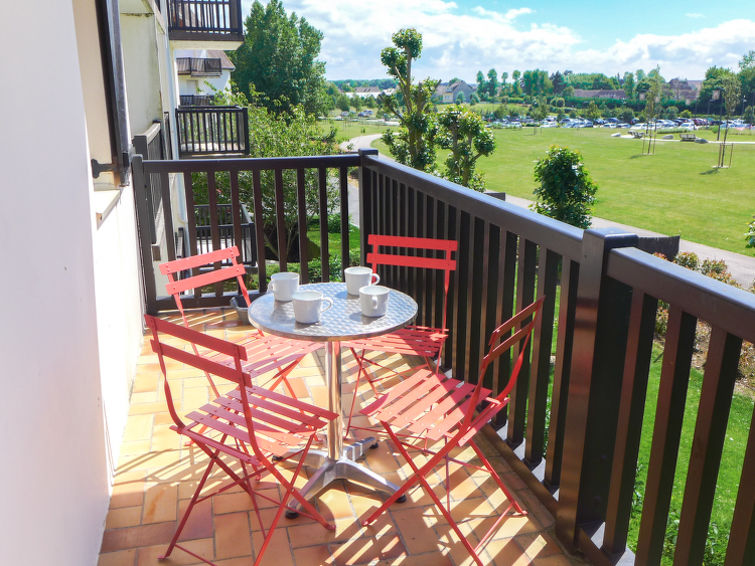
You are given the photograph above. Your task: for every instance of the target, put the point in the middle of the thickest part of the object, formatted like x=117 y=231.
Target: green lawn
x=675 y=191
x=347 y=129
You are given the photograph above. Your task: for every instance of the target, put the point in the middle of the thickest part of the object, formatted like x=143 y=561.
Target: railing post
x=365 y=203
x=600 y=328
x=144 y=220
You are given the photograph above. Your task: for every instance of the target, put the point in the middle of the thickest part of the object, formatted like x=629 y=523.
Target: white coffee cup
x=373 y=300
x=309 y=304
x=358 y=277
x=284 y=285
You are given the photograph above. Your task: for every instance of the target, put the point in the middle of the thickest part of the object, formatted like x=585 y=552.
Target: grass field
x=675 y=191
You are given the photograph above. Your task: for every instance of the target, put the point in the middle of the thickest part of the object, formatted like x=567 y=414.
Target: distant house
x=682 y=89
x=449 y=92
x=198 y=67
x=365 y=92
x=599 y=93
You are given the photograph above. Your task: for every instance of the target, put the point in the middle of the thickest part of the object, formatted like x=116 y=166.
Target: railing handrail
x=706 y=298
x=252 y=163
x=558 y=236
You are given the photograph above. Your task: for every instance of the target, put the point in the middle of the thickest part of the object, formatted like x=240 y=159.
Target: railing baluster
x=476 y=319
x=672 y=394
x=322 y=176
x=547 y=278
x=525 y=294
x=559 y=396
x=343 y=180
x=707 y=446
x=280 y=221
x=742 y=538
x=259 y=225
x=236 y=215
x=634 y=388
x=301 y=200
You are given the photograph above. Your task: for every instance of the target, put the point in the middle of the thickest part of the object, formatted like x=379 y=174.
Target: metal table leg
x=339 y=462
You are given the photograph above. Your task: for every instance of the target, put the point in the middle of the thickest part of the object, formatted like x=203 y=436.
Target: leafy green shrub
x=334 y=223
x=688 y=260
x=750 y=234
x=566 y=191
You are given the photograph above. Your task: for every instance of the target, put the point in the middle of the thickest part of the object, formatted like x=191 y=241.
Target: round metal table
x=343 y=321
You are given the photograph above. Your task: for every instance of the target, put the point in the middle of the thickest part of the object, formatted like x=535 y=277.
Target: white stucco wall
x=54 y=475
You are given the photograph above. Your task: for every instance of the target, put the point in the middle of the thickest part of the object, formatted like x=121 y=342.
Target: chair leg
x=193 y=501
x=513 y=502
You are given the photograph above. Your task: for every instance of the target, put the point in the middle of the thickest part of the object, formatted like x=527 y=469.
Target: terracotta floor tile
x=128 y=494
x=123 y=517
x=200 y=522
x=417 y=535
x=539 y=545
x=134 y=537
x=232 y=535
x=118 y=558
x=278 y=551
x=149 y=556
x=506 y=552
x=160 y=501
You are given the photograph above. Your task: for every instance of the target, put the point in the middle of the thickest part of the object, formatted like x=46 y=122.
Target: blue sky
x=464 y=36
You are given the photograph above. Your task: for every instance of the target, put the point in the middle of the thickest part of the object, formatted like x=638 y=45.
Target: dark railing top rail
x=252 y=163
x=555 y=235
x=198 y=65
x=707 y=299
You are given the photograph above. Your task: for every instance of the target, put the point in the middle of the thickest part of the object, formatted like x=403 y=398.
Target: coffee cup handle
x=327 y=302
x=271 y=287
x=376 y=279
x=375 y=302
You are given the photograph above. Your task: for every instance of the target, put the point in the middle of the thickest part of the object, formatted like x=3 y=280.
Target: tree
x=712 y=86
x=747 y=76
x=652 y=96
x=474 y=99
x=463 y=133
x=278 y=135
x=732 y=93
x=492 y=83
x=277 y=64
x=749 y=115
x=557 y=79
x=482 y=86
x=593 y=113
x=565 y=192
x=628 y=85
x=413 y=144
x=517 y=88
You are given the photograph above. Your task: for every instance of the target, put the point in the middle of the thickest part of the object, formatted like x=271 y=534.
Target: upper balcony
x=594 y=430
x=199 y=66
x=205 y=24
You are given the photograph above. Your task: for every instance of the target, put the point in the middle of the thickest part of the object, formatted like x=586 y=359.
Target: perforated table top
x=343 y=321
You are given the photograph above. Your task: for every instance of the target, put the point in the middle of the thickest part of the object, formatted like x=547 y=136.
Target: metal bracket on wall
x=98 y=168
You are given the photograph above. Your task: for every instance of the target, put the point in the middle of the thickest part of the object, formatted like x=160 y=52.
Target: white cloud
x=459 y=43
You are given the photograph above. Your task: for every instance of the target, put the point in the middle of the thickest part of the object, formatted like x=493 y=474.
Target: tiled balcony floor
x=157 y=474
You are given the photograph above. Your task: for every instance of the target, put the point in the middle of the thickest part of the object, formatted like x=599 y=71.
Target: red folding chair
x=429 y=407
x=266 y=353
x=254 y=427
x=422 y=341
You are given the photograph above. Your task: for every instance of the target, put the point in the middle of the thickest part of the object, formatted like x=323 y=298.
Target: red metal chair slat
x=282 y=355
x=429 y=407
x=421 y=341
x=250 y=425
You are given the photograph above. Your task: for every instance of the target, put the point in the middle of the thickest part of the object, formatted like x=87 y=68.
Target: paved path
x=741 y=267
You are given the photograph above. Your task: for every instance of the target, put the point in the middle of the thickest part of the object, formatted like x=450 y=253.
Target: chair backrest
x=217 y=270
x=427 y=246
x=177 y=348
x=501 y=341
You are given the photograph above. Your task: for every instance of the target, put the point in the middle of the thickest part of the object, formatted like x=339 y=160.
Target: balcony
x=198 y=66
x=210 y=24
x=572 y=432
x=195 y=100
x=212 y=130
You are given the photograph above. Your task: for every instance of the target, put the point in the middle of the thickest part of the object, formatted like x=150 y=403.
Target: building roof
x=599 y=93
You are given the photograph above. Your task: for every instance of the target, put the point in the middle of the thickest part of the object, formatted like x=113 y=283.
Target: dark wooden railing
x=154 y=144
x=572 y=430
x=237 y=177
x=205 y=20
x=225 y=231
x=209 y=130
x=198 y=66
x=196 y=99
